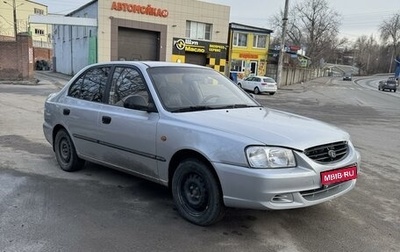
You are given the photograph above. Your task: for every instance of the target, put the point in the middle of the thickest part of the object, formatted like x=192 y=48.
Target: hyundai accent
x=191 y=129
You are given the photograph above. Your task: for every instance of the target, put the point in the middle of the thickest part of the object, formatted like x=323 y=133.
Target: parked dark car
x=347 y=76
x=389 y=84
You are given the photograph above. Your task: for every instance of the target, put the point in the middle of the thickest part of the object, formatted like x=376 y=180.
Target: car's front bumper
x=277 y=188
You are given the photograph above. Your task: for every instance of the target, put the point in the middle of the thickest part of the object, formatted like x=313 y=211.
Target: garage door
x=196 y=58
x=136 y=44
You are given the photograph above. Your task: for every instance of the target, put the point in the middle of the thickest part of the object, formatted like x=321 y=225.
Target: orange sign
x=248 y=56
x=140 y=9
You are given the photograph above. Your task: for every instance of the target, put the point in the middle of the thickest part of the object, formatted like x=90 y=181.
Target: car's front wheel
x=196 y=193
x=65 y=152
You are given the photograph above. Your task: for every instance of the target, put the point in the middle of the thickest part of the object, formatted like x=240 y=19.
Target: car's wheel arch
x=181 y=155
x=56 y=129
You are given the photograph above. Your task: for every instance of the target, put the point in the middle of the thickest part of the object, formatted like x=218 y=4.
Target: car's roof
x=259 y=76
x=150 y=63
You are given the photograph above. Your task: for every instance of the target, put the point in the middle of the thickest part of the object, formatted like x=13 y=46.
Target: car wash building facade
x=186 y=31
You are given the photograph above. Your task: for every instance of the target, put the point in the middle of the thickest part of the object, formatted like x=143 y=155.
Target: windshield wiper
x=205 y=107
x=193 y=108
x=238 y=106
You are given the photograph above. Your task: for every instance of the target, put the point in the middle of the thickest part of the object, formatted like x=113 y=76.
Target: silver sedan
x=191 y=129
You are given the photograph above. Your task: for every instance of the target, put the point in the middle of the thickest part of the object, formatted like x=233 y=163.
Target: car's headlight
x=270 y=157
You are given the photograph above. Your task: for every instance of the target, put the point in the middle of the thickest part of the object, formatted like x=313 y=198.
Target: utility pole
x=282 y=48
x=14 y=8
x=15 y=19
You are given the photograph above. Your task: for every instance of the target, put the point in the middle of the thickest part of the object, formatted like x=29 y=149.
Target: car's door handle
x=66 y=111
x=106 y=119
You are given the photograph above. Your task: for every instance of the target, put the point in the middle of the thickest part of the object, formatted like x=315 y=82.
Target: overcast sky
x=359 y=17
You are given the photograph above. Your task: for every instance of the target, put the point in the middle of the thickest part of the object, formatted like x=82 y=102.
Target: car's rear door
x=80 y=109
x=254 y=83
x=128 y=135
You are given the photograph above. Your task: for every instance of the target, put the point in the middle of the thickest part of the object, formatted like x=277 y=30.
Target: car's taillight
x=263 y=83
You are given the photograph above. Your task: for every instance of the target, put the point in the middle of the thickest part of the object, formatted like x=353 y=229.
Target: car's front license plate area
x=339 y=175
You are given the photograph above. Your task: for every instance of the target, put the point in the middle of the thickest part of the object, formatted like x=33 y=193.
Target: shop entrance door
x=253 y=67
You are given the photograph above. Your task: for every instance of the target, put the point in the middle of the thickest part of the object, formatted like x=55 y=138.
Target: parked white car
x=259 y=84
x=191 y=129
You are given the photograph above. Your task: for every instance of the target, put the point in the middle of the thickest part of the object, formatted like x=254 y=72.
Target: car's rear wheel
x=271 y=93
x=256 y=90
x=66 y=153
x=196 y=193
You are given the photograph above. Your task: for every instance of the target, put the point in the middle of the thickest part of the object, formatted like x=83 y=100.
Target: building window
x=38 y=11
x=39 y=31
x=239 y=39
x=196 y=30
x=237 y=65
x=260 y=41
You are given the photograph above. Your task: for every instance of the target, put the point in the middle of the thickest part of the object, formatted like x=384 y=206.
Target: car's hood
x=267 y=126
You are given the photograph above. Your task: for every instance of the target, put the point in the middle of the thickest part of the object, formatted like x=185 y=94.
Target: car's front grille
x=328 y=153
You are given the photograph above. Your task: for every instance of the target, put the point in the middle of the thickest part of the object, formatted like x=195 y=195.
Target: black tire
x=239 y=85
x=196 y=193
x=256 y=90
x=65 y=152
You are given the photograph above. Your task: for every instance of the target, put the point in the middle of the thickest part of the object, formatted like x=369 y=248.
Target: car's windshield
x=183 y=89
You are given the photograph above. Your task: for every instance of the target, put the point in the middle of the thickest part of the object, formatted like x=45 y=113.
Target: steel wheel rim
x=194 y=194
x=65 y=150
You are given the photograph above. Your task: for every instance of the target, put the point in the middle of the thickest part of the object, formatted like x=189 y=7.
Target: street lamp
x=14 y=6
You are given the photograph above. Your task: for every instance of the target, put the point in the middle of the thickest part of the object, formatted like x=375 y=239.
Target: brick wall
x=16 y=58
x=42 y=54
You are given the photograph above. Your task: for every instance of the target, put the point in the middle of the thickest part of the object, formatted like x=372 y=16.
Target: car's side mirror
x=139 y=103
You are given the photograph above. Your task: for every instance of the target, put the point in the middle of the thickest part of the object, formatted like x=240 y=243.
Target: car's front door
x=247 y=83
x=128 y=135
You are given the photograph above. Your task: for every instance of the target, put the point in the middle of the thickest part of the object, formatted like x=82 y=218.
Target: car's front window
x=182 y=89
x=127 y=82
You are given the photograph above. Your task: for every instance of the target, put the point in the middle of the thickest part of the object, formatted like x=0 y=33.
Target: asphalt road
x=97 y=209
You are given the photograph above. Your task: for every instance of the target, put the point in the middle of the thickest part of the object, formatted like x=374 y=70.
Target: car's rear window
x=268 y=80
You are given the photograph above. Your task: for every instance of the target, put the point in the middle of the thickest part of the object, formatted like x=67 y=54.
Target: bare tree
x=315 y=26
x=367 y=54
x=390 y=35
